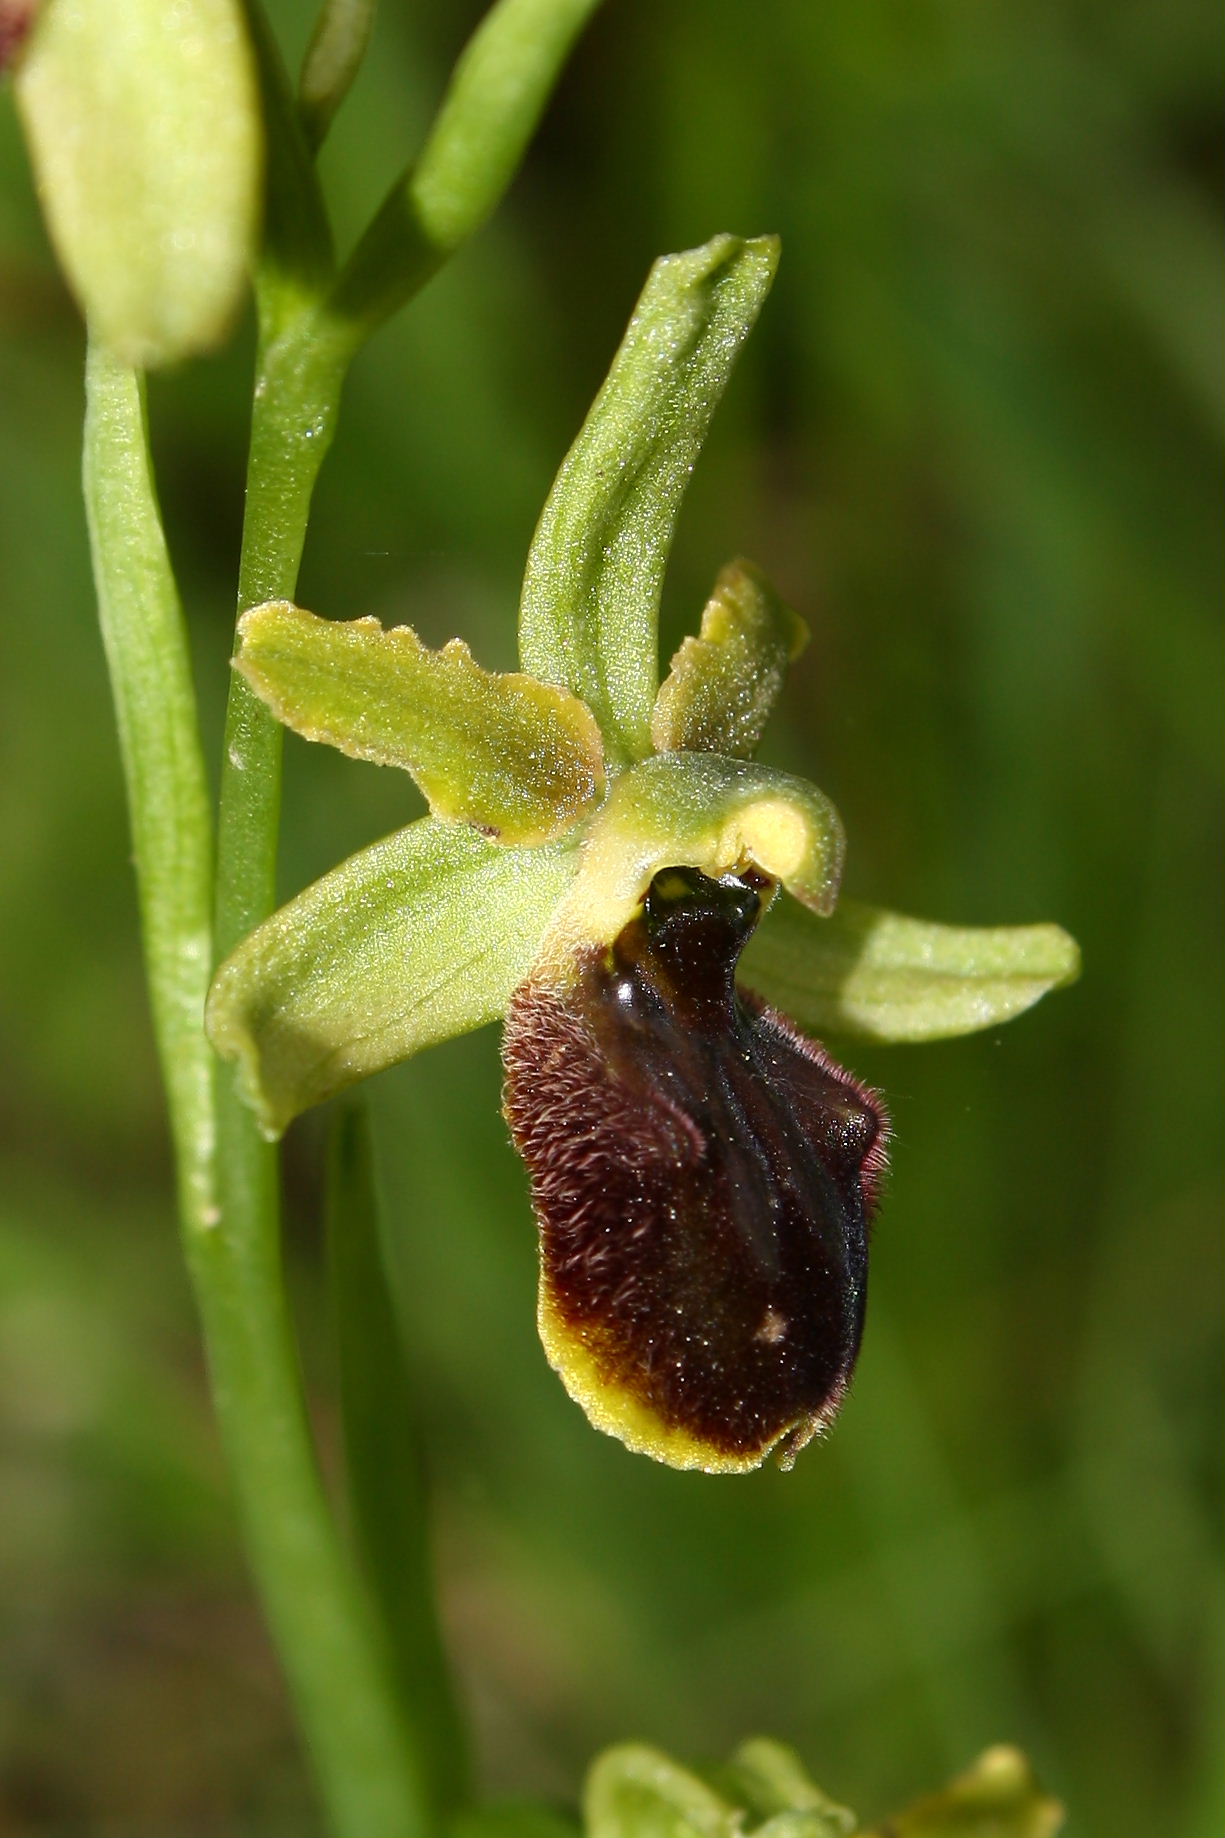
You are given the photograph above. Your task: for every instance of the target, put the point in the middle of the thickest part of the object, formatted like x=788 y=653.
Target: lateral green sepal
x=873 y=975
x=520 y=760
x=723 y=685
x=589 y=613
x=420 y=937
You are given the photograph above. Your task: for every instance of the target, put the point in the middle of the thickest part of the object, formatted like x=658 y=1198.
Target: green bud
x=144 y=129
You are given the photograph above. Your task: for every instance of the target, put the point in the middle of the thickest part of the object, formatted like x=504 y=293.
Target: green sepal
x=420 y=937
x=695 y=810
x=520 y=760
x=771 y=1783
x=635 y=1791
x=998 y=1797
x=723 y=684
x=590 y=606
x=868 y=974
x=145 y=133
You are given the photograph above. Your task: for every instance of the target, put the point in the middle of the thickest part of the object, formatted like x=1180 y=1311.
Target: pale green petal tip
x=522 y=761
x=770 y=1781
x=636 y=1791
x=723 y=684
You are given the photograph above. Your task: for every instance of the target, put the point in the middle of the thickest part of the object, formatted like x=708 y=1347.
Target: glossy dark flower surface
x=703 y=1176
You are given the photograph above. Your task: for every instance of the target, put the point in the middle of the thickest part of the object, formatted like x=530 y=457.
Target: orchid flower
x=654 y=915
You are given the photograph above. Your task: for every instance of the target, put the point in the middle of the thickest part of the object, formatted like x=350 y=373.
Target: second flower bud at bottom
x=703 y=1176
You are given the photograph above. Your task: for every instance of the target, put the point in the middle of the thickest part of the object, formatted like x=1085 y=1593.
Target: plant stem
x=150 y=671
x=334 y=1654
x=496 y=96
x=384 y=1460
x=370 y=1773
x=297 y=393
x=370 y=1762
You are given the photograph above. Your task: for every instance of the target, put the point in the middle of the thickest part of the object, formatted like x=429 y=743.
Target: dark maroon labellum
x=703 y=1176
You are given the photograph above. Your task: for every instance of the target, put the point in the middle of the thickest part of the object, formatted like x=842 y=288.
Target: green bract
x=558 y=793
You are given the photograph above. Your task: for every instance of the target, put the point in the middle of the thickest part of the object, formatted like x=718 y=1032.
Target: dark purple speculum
x=703 y=1176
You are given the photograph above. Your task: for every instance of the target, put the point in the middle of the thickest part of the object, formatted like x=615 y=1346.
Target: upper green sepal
x=868 y=974
x=723 y=684
x=520 y=760
x=589 y=612
x=422 y=936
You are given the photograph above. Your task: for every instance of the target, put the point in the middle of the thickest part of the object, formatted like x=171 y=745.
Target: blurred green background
x=976 y=441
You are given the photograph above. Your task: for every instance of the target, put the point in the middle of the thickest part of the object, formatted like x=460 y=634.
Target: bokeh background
x=976 y=441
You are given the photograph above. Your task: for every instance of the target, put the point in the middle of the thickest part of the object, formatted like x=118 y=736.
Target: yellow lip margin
x=616 y=1410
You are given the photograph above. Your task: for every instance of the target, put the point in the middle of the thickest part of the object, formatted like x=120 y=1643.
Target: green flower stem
x=370 y=1774
x=335 y=1657
x=385 y=1466
x=297 y=393
x=146 y=652
x=496 y=96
